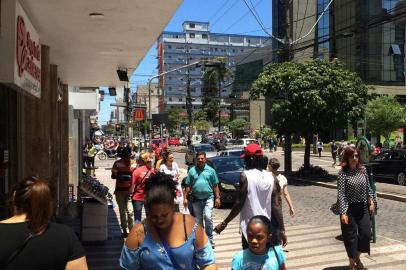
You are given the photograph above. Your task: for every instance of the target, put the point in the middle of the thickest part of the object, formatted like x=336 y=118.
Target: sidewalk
x=383 y=190
x=105 y=255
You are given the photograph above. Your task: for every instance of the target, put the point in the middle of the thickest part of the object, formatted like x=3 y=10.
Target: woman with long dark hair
x=29 y=240
x=356 y=202
x=166 y=240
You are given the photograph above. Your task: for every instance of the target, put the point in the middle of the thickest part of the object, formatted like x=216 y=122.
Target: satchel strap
x=16 y=252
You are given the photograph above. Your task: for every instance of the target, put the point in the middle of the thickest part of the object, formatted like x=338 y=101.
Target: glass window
x=192 y=35
x=192 y=25
x=228 y=165
x=205 y=148
x=204 y=36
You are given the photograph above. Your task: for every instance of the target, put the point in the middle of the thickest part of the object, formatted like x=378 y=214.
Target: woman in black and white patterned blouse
x=356 y=202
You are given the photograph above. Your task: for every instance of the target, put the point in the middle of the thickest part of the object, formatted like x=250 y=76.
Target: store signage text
x=27 y=49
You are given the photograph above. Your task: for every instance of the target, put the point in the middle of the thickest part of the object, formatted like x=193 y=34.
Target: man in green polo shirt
x=202 y=182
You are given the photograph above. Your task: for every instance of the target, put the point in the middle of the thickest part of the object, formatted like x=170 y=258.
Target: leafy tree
x=109 y=130
x=175 y=120
x=309 y=96
x=202 y=125
x=383 y=115
x=200 y=115
x=237 y=124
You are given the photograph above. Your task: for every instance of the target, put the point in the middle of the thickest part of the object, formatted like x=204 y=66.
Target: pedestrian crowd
x=177 y=232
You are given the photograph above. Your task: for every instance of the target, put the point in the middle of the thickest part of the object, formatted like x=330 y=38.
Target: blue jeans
x=137 y=206
x=203 y=209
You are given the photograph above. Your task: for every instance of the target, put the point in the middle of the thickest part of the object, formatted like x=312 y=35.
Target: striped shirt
x=122 y=172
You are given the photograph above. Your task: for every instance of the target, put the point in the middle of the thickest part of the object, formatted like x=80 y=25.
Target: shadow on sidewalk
x=106 y=254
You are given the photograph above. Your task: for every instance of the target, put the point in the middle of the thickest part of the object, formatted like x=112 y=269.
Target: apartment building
x=196 y=42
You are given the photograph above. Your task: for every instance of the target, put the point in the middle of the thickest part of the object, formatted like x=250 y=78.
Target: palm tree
x=215 y=74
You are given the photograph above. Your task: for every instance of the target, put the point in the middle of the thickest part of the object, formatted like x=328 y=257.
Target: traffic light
x=118 y=127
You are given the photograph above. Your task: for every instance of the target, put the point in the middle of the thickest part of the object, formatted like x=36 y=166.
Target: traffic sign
x=139 y=115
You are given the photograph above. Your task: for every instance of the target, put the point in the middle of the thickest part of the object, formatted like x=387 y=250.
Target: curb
x=389 y=196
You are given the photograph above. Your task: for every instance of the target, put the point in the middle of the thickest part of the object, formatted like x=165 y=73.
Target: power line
x=218 y=10
x=240 y=18
x=224 y=13
x=260 y=23
x=315 y=24
x=304 y=17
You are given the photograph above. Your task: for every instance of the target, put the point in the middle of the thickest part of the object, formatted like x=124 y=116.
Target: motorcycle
x=103 y=154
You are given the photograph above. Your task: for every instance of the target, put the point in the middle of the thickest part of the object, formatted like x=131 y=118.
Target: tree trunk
x=306 y=162
x=288 y=153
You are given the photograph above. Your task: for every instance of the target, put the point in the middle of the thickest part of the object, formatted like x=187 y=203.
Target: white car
x=240 y=143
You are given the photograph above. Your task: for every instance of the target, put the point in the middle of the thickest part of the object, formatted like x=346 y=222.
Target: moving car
x=174 y=141
x=193 y=149
x=390 y=165
x=228 y=170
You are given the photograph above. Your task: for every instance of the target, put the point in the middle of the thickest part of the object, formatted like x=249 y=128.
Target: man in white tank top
x=254 y=197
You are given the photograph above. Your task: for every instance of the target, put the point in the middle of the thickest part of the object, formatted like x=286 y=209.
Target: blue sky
x=224 y=16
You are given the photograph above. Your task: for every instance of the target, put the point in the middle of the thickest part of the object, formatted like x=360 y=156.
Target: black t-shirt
x=48 y=251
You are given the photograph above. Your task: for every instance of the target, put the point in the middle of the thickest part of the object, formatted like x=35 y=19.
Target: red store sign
x=27 y=50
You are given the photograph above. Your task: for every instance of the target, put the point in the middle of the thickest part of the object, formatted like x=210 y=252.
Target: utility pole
x=188 y=97
x=219 y=87
x=287 y=55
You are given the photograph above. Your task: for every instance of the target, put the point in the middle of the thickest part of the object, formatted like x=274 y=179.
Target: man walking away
x=319 y=146
x=202 y=182
x=334 y=150
x=255 y=193
x=122 y=171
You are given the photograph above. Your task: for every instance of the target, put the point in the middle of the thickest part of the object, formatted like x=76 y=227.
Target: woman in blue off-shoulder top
x=166 y=239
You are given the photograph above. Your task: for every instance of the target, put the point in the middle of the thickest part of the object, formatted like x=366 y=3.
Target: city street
x=311 y=233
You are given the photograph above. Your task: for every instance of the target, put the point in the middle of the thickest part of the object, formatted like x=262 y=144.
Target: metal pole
x=260 y=117
x=219 y=86
x=149 y=108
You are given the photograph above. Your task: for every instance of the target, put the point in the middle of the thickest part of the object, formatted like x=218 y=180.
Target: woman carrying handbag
x=356 y=203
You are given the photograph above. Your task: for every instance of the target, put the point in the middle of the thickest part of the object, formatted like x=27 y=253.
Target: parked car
x=240 y=143
x=231 y=152
x=390 y=165
x=174 y=141
x=228 y=170
x=159 y=142
x=193 y=149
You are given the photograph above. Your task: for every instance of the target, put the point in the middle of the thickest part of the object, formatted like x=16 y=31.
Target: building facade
x=196 y=42
x=368 y=36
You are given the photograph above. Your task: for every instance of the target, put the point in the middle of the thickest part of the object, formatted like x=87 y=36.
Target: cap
x=145 y=157
x=253 y=149
x=126 y=152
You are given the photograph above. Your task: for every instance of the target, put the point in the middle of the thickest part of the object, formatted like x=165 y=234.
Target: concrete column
x=35 y=126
